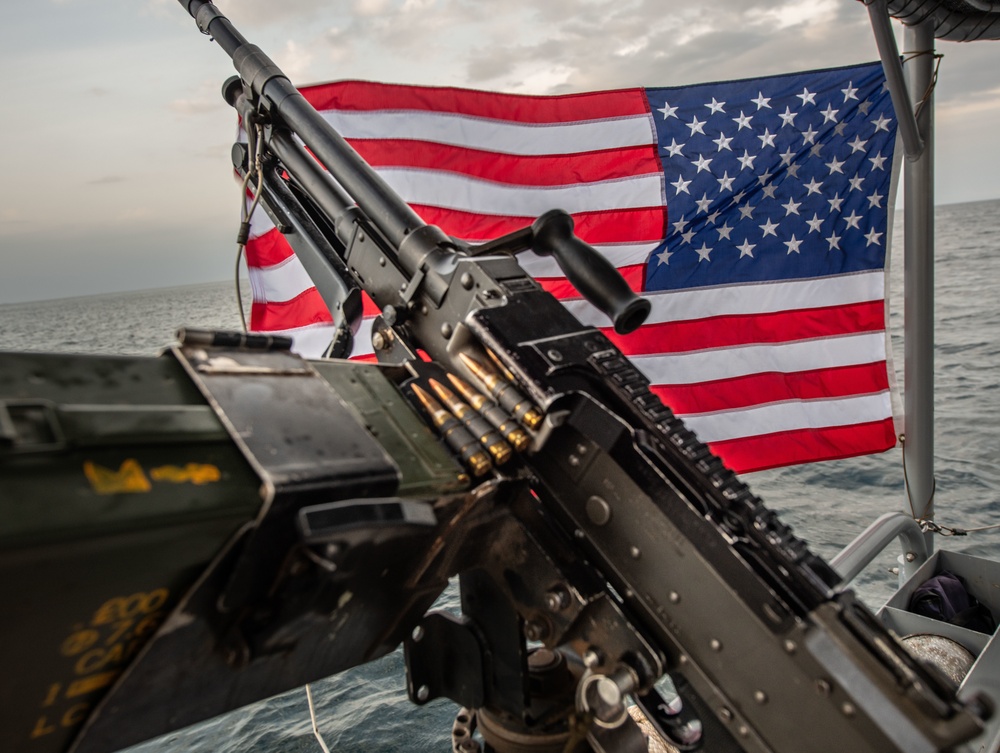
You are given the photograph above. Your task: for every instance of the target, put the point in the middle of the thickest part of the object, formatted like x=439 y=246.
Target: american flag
x=753 y=215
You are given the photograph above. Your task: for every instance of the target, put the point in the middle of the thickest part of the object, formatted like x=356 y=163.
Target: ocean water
x=828 y=504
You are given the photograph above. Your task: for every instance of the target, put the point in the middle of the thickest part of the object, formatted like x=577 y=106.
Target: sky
x=116 y=141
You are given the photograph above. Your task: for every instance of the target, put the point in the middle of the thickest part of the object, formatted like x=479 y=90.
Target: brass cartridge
x=455 y=434
x=478 y=426
x=493 y=413
x=506 y=394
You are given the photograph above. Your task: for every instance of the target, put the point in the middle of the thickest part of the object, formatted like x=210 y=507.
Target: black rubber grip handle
x=593 y=275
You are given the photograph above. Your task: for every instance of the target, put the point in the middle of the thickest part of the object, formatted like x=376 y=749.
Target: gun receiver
x=613 y=549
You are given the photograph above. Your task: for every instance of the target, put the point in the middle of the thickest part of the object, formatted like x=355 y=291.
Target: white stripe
x=260 y=223
x=494 y=135
x=621 y=255
x=457 y=191
x=312 y=340
x=790 y=416
x=726 y=363
x=281 y=282
x=750 y=298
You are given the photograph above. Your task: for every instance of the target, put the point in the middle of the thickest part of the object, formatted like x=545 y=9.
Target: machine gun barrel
x=394 y=217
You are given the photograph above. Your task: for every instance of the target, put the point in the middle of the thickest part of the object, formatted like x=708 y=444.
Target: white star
x=688 y=236
x=761 y=101
x=787 y=156
x=737 y=198
x=668 y=111
x=724 y=231
x=674 y=149
x=814 y=223
x=793 y=170
x=807 y=96
x=764 y=178
x=877 y=161
x=809 y=137
x=856 y=182
x=746 y=211
x=723 y=142
x=858 y=145
x=766 y=138
x=853 y=219
x=703 y=252
x=872 y=237
x=664 y=257
x=875 y=200
x=681 y=186
x=769 y=190
x=793 y=244
x=829 y=114
x=703 y=203
x=769 y=228
x=713 y=216
x=840 y=128
x=865 y=106
x=743 y=121
x=850 y=92
x=746 y=249
x=835 y=203
x=812 y=187
x=882 y=124
x=834 y=241
x=696 y=126
x=680 y=225
x=725 y=182
x=702 y=162
x=792 y=207
x=835 y=166
x=747 y=160
x=788 y=117
x=715 y=106
x=816 y=150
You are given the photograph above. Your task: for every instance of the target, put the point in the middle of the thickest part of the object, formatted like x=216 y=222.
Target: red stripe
x=527 y=170
x=612 y=226
x=726 y=331
x=268 y=249
x=522 y=108
x=306 y=308
x=773 y=387
x=368 y=307
x=805 y=446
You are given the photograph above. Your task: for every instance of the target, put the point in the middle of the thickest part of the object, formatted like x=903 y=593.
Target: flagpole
x=918 y=219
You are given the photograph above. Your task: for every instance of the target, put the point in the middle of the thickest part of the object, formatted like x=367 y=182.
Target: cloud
x=295 y=60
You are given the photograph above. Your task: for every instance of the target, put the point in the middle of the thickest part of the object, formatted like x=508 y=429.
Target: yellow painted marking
x=127 y=479
x=89 y=684
x=75 y=715
x=125 y=607
x=193 y=473
x=52 y=695
x=42 y=727
x=79 y=641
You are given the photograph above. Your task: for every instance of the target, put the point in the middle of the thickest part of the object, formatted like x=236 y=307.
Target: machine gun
x=600 y=547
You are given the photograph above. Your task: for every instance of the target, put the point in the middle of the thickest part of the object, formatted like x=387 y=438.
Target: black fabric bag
x=945 y=597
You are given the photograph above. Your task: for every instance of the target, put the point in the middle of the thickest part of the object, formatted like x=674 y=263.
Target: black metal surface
x=954 y=20
x=444 y=659
x=280 y=412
